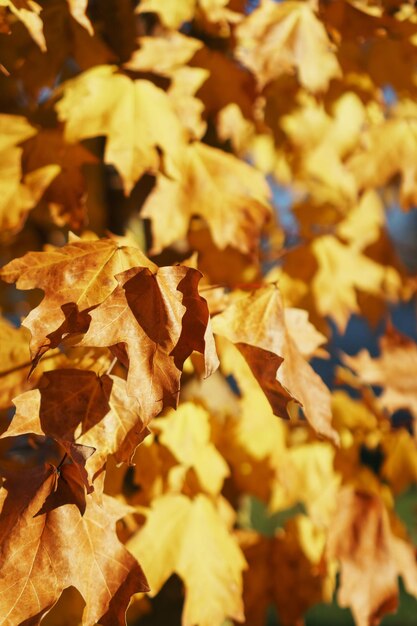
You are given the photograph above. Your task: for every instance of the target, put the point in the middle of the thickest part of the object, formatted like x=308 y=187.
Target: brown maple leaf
x=76 y=406
x=282 y=572
x=371 y=557
x=66 y=195
x=74 y=278
x=44 y=551
x=153 y=322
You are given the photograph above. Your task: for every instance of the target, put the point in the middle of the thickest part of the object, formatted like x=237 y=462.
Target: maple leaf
x=158 y=319
x=186 y=433
x=18 y=196
x=66 y=195
x=342 y=271
x=322 y=143
x=167 y=56
x=278 y=38
x=190 y=538
x=229 y=194
x=388 y=149
x=163 y=55
x=104 y=102
x=306 y=473
x=78 y=9
x=286 y=570
x=371 y=557
x=76 y=406
x=80 y=273
x=256 y=324
x=27 y=12
x=172 y=14
x=64 y=548
x=363 y=224
x=393 y=370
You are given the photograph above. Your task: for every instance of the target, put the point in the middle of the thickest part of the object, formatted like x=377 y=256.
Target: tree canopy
x=196 y=204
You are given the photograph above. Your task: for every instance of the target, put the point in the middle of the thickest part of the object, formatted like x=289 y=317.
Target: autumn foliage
x=193 y=207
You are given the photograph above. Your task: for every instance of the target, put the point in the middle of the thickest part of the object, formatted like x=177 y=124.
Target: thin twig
x=112 y=364
x=26 y=364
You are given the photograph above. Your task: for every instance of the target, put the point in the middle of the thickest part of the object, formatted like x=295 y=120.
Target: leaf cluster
x=160 y=348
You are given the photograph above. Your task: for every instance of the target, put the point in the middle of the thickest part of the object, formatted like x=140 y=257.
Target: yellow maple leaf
x=388 y=149
x=229 y=194
x=362 y=225
x=306 y=474
x=18 y=194
x=28 y=12
x=136 y=117
x=278 y=38
x=190 y=538
x=342 y=271
x=186 y=433
x=323 y=141
x=171 y=12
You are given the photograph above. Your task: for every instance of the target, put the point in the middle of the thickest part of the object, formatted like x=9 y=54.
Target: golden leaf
x=190 y=538
x=280 y=37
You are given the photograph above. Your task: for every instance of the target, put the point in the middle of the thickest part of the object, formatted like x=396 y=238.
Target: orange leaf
x=80 y=274
x=42 y=553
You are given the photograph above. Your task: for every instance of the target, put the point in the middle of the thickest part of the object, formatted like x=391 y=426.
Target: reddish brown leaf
x=160 y=319
x=75 y=406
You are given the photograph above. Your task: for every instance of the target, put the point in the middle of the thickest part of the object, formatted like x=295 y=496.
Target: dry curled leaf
x=371 y=557
x=74 y=278
x=256 y=324
x=76 y=406
x=153 y=322
x=67 y=548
